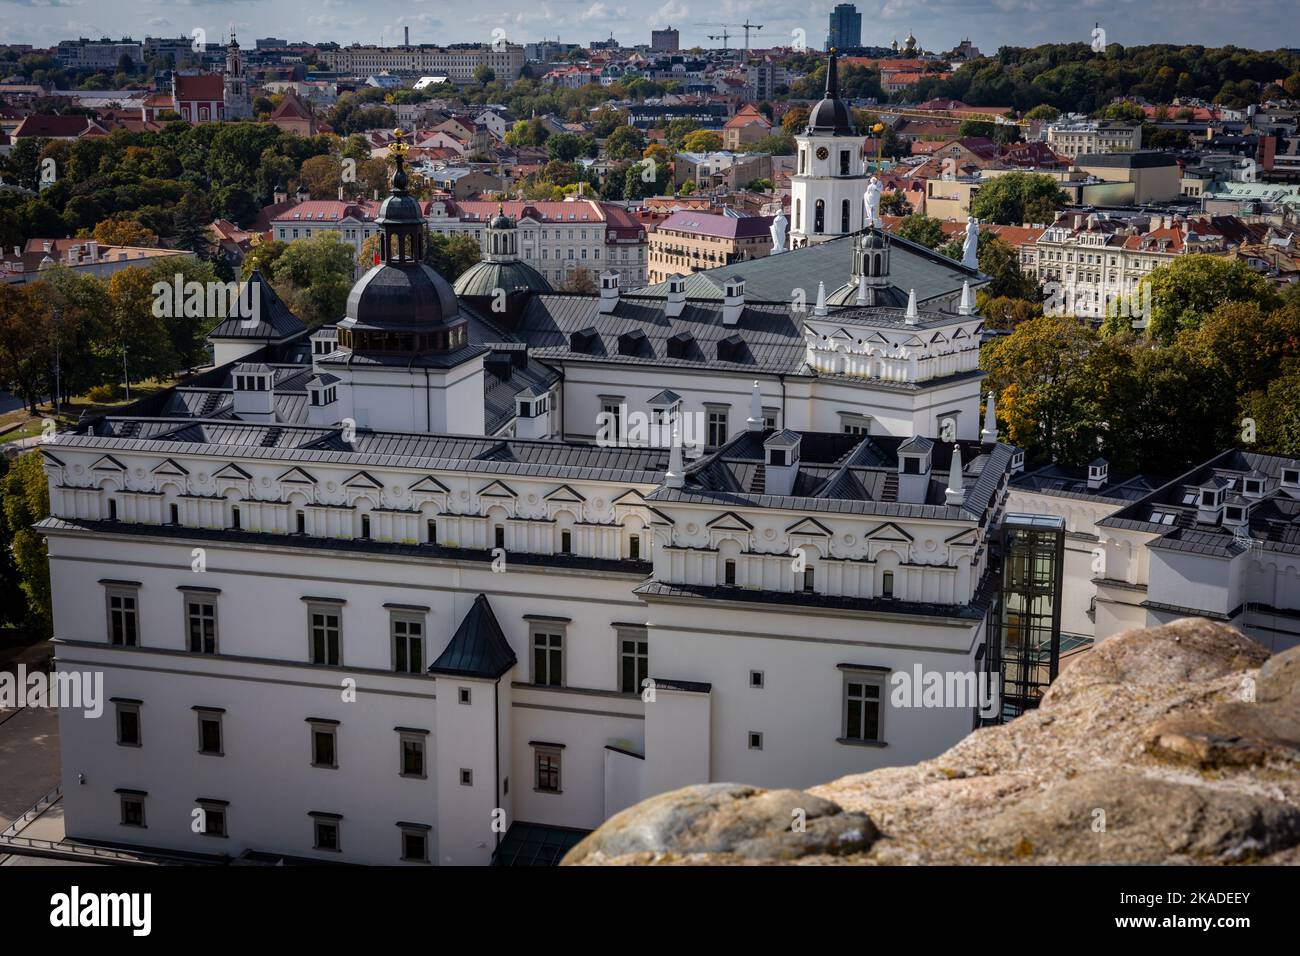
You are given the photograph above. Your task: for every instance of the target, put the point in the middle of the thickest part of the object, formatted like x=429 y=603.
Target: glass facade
x=1025 y=618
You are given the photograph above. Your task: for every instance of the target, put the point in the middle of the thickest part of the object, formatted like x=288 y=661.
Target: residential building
x=1155 y=175
x=84 y=256
x=1074 y=138
x=666 y=40
x=747 y=126
x=688 y=242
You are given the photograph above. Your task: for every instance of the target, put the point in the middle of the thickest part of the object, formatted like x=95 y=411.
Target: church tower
x=830 y=173
x=239 y=104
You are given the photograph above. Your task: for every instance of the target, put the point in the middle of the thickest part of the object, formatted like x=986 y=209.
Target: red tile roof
x=201 y=87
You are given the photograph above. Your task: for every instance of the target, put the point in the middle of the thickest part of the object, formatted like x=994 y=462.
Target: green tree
x=1001 y=261
x=1276 y=411
x=451 y=255
x=921 y=228
x=314 y=277
x=1009 y=199
x=702 y=141
x=25 y=492
x=565 y=147
x=1182 y=293
x=626 y=142
x=894 y=203
x=484 y=74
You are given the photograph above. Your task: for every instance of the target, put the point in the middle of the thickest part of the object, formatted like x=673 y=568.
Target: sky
x=937 y=24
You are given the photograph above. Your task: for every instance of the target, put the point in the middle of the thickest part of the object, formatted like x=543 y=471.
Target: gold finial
x=399 y=146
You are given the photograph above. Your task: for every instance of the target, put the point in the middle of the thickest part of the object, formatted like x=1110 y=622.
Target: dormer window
x=1210 y=498
x=776 y=457
x=1234 y=513
x=1291 y=476
x=911 y=465
x=1254 y=486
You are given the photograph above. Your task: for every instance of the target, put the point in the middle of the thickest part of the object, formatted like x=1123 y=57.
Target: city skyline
x=1258 y=24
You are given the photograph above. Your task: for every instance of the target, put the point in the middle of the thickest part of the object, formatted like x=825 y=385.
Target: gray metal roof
x=274 y=320
x=478 y=648
x=774 y=278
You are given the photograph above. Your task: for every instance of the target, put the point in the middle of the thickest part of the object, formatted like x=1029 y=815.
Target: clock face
x=822 y=152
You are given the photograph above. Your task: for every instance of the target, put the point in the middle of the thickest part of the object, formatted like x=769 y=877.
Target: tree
x=529 y=132
x=778 y=144
x=702 y=141
x=24 y=490
x=894 y=203
x=314 y=277
x=1011 y=198
x=1044 y=111
x=1276 y=412
x=639 y=184
x=795 y=120
x=677 y=130
x=133 y=326
x=565 y=147
x=451 y=255
x=1001 y=261
x=920 y=228
x=1124 y=111
x=626 y=142
x=484 y=74
x=580 y=280
x=1182 y=293
x=25 y=356
x=322 y=175
x=123 y=232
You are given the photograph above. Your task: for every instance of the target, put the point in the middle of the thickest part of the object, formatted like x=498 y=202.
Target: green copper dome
x=484 y=278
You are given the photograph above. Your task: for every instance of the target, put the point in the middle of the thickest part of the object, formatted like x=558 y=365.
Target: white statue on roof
x=778 y=229
x=871 y=204
x=970 y=248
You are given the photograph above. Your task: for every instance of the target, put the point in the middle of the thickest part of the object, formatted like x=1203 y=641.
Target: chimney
x=733 y=302
x=781 y=462
x=967 y=306
x=955 y=493
x=407 y=34
x=910 y=317
x=254 y=394
x=989 y=433
x=322 y=400
x=1098 y=473
x=608 y=292
x=754 y=422
x=676 y=297
x=675 y=477
x=914 y=458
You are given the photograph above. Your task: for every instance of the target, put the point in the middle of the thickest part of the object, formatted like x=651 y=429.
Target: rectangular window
x=887 y=584
x=174 y=514
x=466 y=777
x=729 y=573
x=234 y=517
x=412 y=754
x=756 y=679
x=755 y=740
x=547 y=761
x=498 y=536
x=201 y=624
x=808 y=581
x=209 y=732
x=300 y=522
x=365 y=526
x=633 y=662
x=123 y=618
x=132 y=808
x=326 y=828
x=326 y=635
x=634 y=548
x=566 y=542
x=862 y=699
x=548 y=659
x=431 y=530
x=128 y=723
x=324 y=750
x=408 y=645
x=214 y=817
x=717 y=428
x=415 y=843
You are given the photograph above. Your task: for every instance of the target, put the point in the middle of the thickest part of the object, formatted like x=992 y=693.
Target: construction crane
x=724 y=35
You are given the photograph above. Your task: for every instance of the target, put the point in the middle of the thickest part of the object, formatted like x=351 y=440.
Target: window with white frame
x=200 y=621
x=132 y=807
x=548 y=655
x=325 y=629
x=123 y=615
x=633 y=660
x=415 y=842
x=546 y=763
x=717 y=426
x=214 y=816
x=408 y=642
x=324 y=743
x=325 y=831
x=411 y=752
x=863 y=717
x=210 y=737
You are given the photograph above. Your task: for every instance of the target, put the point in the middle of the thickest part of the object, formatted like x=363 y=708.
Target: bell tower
x=238 y=103
x=830 y=171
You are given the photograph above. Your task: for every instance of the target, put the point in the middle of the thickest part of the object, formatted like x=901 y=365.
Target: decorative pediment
x=363 y=479
x=938 y=339
x=108 y=463
x=888 y=532
x=233 y=471
x=967 y=536
x=297 y=476
x=730 y=521
x=878 y=339
x=51 y=459
x=564 y=493
x=497 y=489
x=808 y=526
x=841 y=334
x=960 y=334
x=430 y=485
x=169 y=467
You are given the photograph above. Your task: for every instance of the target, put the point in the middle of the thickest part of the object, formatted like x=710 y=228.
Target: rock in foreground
x=1176 y=744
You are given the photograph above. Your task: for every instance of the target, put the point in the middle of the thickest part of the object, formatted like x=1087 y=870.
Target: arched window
x=844 y=216
x=819 y=216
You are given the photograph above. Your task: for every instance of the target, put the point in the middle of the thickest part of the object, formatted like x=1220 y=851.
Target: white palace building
x=376 y=593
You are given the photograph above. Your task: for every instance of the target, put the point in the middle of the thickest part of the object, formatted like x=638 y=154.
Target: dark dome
x=832 y=114
x=400 y=207
x=406 y=296
x=501 y=221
